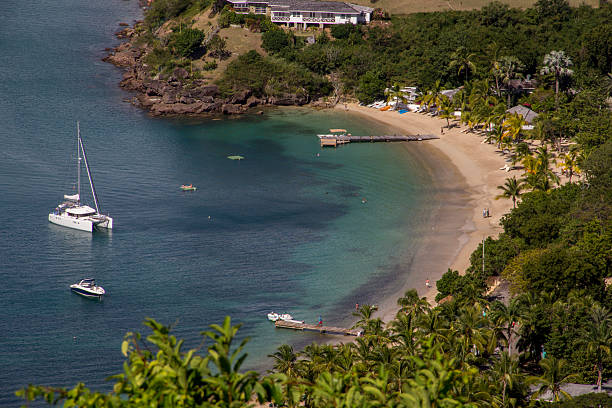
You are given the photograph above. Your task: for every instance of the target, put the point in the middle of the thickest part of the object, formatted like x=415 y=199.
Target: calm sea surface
x=284 y=230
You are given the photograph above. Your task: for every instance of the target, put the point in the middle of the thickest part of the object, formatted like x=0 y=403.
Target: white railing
x=280 y=18
x=319 y=20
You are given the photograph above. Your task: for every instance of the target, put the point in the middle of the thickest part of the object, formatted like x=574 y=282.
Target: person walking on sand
x=427 y=283
x=320 y=323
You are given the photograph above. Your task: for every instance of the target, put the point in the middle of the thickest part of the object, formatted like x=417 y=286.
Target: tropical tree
x=446 y=111
x=412 y=303
x=598 y=338
x=513 y=125
x=434 y=95
x=506 y=375
x=511 y=68
x=365 y=314
x=462 y=60
x=557 y=63
x=395 y=94
x=512 y=188
x=285 y=360
x=555 y=375
x=570 y=164
x=507 y=316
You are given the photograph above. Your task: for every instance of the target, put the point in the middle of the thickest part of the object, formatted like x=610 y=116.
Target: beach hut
x=525 y=112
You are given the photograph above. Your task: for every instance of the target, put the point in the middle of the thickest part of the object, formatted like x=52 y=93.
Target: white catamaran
x=71 y=213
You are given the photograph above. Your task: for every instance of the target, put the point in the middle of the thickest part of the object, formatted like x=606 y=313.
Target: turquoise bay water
x=288 y=230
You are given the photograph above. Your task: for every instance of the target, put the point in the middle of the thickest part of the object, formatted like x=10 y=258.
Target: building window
x=296 y=14
x=260 y=9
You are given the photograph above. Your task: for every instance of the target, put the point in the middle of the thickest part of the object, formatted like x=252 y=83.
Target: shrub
x=188 y=42
x=274 y=40
x=343 y=31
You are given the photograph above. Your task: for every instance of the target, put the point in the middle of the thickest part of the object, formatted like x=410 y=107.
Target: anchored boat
x=88 y=288
x=188 y=187
x=72 y=213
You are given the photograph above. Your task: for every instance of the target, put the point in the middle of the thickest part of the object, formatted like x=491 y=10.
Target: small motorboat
x=285 y=316
x=88 y=288
x=188 y=187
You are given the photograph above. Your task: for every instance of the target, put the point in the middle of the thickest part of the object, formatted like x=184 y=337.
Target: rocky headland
x=179 y=93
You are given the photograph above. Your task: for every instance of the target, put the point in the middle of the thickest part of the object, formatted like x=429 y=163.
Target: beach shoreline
x=467 y=173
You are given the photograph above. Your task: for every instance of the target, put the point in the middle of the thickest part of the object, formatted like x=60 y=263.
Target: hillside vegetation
x=420 y=6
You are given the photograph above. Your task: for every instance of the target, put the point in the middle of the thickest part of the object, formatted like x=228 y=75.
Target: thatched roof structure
x=525 y=112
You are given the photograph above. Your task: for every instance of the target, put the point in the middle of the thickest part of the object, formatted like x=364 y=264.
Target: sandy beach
x=468 y=173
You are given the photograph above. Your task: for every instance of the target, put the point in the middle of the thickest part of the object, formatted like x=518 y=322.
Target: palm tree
x=462 y=60
x=510 y=68
x=395 y=94
x=512 y=126
x=545 y=159
x=434 y=96
x=557 y=63
x=521 y=151
x=507 y=375
x=554 y=376
x=511 y=189
x=446 y=111
x=365 y=314
x=507 y=316
x=285 y=360
x=598 y=338
x=412 y=303
x=570 y=163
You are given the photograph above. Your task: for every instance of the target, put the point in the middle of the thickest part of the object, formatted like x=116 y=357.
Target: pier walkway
x=316 y=328
x=335 y=140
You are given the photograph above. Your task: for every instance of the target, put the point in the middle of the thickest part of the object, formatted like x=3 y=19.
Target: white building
x=305 y=13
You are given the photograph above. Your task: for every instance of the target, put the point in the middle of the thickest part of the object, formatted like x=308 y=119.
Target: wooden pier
x=335 y=140
x=316 y=328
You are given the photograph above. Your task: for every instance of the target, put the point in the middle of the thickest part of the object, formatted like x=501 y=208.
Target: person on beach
x=427 y=283
x=320 y=323
x=356 y=306
x=488 y=212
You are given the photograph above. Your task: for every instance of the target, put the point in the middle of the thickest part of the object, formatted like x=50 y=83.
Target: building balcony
x=318 y=20
x=280 y=18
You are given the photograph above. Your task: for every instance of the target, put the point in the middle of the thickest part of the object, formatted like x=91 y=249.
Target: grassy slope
x=416 y=6
x=238 y=41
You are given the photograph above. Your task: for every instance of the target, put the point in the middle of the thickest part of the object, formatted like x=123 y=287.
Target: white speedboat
x=72 y=213
x=88 y=288
x=275 y=316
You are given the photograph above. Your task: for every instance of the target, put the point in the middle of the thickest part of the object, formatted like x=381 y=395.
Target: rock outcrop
x=179 y=93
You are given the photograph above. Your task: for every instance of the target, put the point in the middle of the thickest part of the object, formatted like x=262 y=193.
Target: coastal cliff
x=179 y=92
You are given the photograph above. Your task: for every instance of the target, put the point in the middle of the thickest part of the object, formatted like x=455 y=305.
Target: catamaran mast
x=78 y=163
x=93 y=190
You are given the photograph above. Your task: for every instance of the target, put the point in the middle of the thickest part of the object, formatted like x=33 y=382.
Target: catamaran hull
x=82 y=224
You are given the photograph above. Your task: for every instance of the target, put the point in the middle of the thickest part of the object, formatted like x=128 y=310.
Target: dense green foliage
x=187 y=42
x=418 y=49
x=267 y=76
